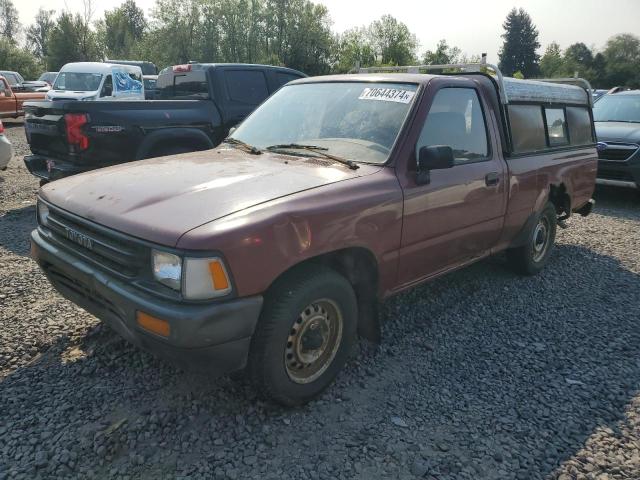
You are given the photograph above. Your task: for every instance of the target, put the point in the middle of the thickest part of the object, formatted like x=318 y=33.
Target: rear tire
x=530 y=258
x=304 y=335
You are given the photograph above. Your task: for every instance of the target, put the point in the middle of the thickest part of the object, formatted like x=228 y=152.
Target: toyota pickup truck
x=271 y=253
x=11 y=103
x=196 y=106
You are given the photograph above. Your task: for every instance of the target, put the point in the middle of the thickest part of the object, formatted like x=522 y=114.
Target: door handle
x=492 y=179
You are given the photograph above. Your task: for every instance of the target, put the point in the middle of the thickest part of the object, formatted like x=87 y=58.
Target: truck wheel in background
x=531 y=257
x=304 y=335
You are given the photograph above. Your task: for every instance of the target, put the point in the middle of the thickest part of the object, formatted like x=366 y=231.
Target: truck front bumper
x=209 y=337
x=51 y=168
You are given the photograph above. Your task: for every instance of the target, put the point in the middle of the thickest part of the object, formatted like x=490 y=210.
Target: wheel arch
x=190 y=137
x=360 y=267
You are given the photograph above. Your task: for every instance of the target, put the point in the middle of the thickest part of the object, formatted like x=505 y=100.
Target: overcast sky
x=474 y=26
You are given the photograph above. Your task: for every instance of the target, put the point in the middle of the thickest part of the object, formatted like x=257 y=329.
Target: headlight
x=197 y=278
x=167 y=269
x=43 y=213
x=205 y=278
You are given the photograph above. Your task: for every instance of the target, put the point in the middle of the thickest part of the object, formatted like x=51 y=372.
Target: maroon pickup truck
x=271 y=252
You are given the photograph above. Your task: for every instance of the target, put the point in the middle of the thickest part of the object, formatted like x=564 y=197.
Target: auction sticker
x=387 y=95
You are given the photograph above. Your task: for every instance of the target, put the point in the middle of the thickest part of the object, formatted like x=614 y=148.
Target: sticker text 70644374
x=387 y=95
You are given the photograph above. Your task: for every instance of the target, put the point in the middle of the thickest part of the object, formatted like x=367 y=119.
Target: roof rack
x=508 y=88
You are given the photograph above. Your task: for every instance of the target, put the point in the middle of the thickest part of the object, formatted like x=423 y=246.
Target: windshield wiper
x=315 y=149
x=249 y=148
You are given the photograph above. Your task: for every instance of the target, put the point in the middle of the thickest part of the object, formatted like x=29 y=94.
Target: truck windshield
x=80 y=82
x=617 y=108
x=358 y=121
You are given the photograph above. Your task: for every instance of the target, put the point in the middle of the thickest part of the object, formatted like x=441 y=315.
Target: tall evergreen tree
x=518 y=52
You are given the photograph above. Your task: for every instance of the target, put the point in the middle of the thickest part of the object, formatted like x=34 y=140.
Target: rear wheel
x=531 y=258
x=304 y=335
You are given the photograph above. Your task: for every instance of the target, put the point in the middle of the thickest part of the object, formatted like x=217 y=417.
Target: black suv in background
x=617 y=122
x=196 y=105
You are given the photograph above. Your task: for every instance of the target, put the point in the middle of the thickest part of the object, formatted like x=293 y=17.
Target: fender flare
x=172 y=136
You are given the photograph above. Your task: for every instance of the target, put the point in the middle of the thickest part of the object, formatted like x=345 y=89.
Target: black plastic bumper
x=621 y=174
x=210 y=337
x=52 y=169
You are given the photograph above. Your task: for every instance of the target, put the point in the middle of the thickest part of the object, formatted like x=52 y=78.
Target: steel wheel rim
x=313 y=341
x=541 y=239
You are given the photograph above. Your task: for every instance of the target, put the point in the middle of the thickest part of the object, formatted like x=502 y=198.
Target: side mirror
x=107 y=91
x=433 y=157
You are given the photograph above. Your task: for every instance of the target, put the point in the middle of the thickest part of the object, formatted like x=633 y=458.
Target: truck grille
x=102 y=247
x=618 y=152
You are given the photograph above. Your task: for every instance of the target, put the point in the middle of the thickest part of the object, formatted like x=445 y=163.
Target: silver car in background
x=6 y=152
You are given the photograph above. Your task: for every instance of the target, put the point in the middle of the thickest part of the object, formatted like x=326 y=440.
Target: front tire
x=531 y=258
x=304 y=335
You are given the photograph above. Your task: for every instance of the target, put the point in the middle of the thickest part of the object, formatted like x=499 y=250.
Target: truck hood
x=618 y=131
x=162 y=198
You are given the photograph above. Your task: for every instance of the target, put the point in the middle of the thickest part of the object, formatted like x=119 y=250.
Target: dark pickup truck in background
x=197 y=105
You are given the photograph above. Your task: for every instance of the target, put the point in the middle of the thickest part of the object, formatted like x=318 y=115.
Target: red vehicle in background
x=11 y=103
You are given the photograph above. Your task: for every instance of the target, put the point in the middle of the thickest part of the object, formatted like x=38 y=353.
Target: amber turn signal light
x=153 y=324
x=218 y=275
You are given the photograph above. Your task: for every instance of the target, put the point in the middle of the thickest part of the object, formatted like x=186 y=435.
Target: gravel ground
x=482 y=375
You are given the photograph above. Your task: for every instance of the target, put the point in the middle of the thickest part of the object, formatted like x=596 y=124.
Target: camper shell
x=97 y=81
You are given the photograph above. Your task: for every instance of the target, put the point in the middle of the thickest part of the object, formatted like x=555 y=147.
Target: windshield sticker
x=387 y=95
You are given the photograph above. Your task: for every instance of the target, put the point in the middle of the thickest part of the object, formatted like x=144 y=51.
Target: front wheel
x=304 y=335
x=531 y=258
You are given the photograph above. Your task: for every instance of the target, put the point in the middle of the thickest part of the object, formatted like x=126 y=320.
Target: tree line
x=294 y=33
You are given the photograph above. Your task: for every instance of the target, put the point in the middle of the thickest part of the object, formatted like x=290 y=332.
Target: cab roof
x=94 y=67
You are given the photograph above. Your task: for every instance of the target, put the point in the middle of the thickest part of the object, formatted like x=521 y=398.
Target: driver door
x=457 y=216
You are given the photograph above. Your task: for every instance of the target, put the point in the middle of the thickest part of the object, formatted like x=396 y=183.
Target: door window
x=456 y=119
x=284 y=78
x=107 y=88
x=556 y=126
x=3 y=88
x=246 y=86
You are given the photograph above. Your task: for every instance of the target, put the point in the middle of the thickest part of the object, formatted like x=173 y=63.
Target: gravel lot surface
x=482 y=375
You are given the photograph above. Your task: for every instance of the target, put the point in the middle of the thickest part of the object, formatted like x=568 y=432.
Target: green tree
x=71 y=40
x=578 y=58
x=552 y=63
x=393 y=42
x=443 y=54
x=309 y=40
x=599 y=71
x=9 y=21
x=18 y=59
x=38 y=34
x=353 y=47
x=122 y=28
x=518 y=52
x=622 y=56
